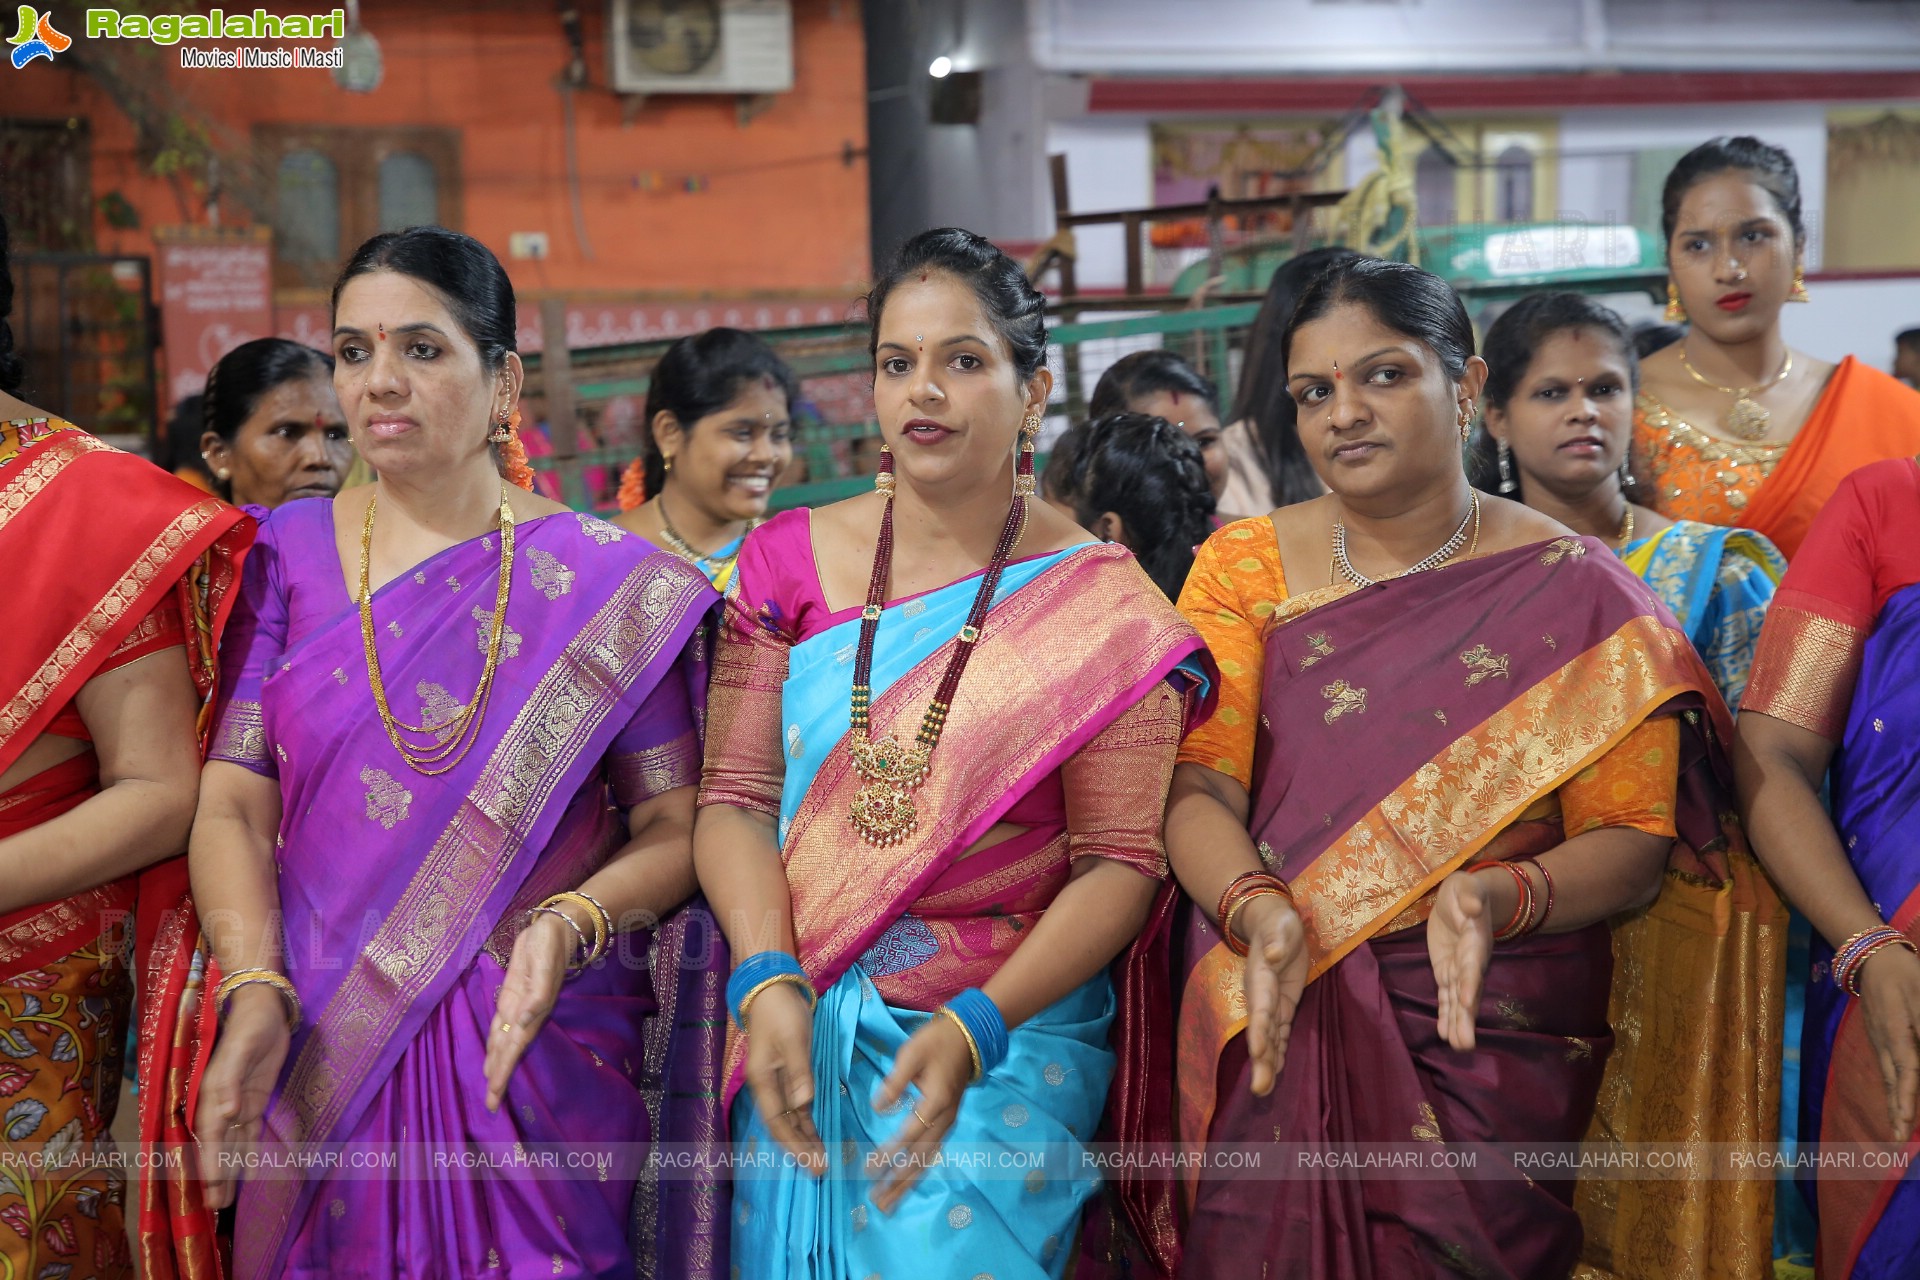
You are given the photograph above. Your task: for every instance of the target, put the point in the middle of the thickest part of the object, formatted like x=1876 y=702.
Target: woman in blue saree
x=1835 y=694
x=927 y=929
x=1558 y=422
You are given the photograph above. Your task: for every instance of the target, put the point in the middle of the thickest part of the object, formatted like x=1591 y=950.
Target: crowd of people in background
x=1495 y=738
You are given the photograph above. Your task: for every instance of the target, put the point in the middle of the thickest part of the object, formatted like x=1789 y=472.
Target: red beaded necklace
x=883 y=811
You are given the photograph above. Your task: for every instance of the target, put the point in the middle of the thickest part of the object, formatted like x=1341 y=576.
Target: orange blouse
x=1237 y=584
x=1695 y=476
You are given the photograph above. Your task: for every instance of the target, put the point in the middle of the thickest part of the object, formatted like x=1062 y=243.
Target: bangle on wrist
x=578 y=961
x=260 y=977
x=986 y=1030
x=759 y=971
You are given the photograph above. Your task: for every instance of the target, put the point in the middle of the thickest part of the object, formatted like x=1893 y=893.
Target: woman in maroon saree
x=1459 y=748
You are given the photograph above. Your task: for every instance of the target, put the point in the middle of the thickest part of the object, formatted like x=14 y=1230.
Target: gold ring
x=924 y=1122
x=506 y=1026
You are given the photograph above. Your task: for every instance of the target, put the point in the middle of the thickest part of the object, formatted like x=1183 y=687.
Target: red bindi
x=1176 y=396
x=923 y=277
x=383 y=333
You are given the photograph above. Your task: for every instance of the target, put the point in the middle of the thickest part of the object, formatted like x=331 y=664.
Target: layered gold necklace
x=449 y=740
x=714 y=566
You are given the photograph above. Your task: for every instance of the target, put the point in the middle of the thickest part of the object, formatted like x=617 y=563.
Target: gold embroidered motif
x=509 y=638
x=387 y=800
x=640 y=775
x=340 y=674
x=1563 y=549
x=437 y=706
x=1441 y=716
x=1484 y=664
x=551 y=578
x=1514 y=1012
x=1267 y=855
x=599 y=530
x=1428 y=1130
x=1345 y=698
x=420 y=578
x=242 y=735
x=338 y=1209
x=1879 y=726
x=493 y=1259
x=1578 y=1050
x=455 y=584
x=1320 y=648
x=1552 y=643
x=394 y=627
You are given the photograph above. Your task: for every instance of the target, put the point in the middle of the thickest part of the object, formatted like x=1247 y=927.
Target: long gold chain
x=453 y=732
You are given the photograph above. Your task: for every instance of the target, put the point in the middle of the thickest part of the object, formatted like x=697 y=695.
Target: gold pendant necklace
x=1748 y=419
x=713 y=566
x=447 y=735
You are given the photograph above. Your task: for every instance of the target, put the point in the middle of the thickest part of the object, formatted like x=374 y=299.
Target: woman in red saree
x=1454 y=740
x=1835 y=695
x=109 y=651
x=1731 y=426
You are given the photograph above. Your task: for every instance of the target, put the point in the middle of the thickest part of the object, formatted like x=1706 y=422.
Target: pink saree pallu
x=1406 y=730
x=402 y=894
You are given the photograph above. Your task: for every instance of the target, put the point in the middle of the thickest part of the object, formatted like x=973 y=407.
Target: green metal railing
x=1213 y=337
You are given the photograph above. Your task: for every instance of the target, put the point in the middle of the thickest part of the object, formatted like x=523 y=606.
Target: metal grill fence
x=838 y=444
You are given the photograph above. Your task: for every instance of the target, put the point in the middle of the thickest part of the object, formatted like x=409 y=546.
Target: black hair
x=1413 y=303
x=1907 y=338
x=12 y=372
x=1262 y=398
x=703 y=373
x=1650 y=336
x=1770 y=167
x=241 y=377
x=1149 y=473
x=1513 y=341
x=1015 y=307
x=1058 y=480
x=181 y=448
x=1143 y=373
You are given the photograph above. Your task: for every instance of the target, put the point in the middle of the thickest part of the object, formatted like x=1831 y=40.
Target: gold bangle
x=266 y=977
x=1257 y=891
x=974 y=1049
x=595 y=913
x=797 y=979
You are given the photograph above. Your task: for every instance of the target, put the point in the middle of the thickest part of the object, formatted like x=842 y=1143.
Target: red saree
x=164 y=559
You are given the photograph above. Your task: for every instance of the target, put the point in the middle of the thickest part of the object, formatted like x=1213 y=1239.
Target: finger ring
x=506 y=1026
x=924 y=1122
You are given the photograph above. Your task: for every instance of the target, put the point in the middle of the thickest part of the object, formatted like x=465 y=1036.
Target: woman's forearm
x=1207 y=841
x=1596 y=876
x=236 y=892
x=652 y=873
x=1790 y=829
x=737 y=858
x=132 y=823
x=1090 y=922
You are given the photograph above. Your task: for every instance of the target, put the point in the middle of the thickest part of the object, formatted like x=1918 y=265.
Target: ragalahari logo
x=37 y=38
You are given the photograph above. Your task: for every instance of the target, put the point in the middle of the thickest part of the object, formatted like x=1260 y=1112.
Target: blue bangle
x=981 y=1018
x=755 y=972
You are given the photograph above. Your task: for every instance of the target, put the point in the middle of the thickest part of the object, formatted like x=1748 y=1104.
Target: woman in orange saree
x=1731 y=426
x=109 y=650
x=1434 y=777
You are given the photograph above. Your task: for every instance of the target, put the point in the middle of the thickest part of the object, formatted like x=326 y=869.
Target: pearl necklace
x=1445 y=552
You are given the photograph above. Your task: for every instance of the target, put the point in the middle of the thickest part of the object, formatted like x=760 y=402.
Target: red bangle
x=1541 y=923
x=1522 y=909
x=1242 y=887
x=1233 y=941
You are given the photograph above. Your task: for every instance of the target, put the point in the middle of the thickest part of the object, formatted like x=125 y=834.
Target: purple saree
x=402 y=893
x=1406 y=730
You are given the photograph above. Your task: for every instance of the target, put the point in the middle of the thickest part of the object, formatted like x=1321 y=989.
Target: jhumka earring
x=883 y=479
x=1676 y=314
x=1799 y=291
x=500 y=433
x=1023 y=485
x=1507 y=483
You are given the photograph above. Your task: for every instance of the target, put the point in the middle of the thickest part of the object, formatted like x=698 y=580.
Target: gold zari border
x=1805 y=670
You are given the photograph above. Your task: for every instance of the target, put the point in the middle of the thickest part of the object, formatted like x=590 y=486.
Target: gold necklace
x=453 y=731
x=1626 y=529
x=1748 y=418
x=713 y=566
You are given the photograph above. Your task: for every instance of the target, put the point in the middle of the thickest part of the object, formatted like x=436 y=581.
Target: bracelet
x=1546 y=911
x=986 y=1029
x=758 y=972
x=268 y=977
x=973 y=1046
x=573 y=966
x=1522 y=909
x=1852 y=955
x=1235 y=943
x=600 y=910
x=602 y=927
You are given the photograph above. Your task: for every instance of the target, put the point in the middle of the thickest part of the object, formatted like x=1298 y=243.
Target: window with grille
x=336 y=187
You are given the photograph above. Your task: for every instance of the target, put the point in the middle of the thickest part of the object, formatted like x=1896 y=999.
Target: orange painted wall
x=779 y=211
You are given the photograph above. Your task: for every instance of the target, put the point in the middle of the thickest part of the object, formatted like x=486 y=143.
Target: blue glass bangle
x=981 y=1017
x=755 y=972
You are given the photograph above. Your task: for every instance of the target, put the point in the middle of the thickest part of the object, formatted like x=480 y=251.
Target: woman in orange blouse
x=1450 y=747
x=1732 y=427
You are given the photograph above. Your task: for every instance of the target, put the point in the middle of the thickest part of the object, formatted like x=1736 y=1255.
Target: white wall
x=1853 y=317
x=1109 y=166
x=989 y=177
x=1208 y=37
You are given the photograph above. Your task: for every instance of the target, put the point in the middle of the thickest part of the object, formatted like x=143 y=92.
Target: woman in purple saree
x=1453 y=741
x=443 y=783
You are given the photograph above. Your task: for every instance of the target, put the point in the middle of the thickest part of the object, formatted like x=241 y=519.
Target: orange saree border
x=1408 y=840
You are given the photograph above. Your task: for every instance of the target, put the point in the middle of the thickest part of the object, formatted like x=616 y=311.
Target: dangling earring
x=666 y=466
x=1799 y=291
x=1676 y=314
x=1466 y=422
x=1023 y=486
x=883 y=479
x=500 y=433
x=1626 y=479
x=1507 y=483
